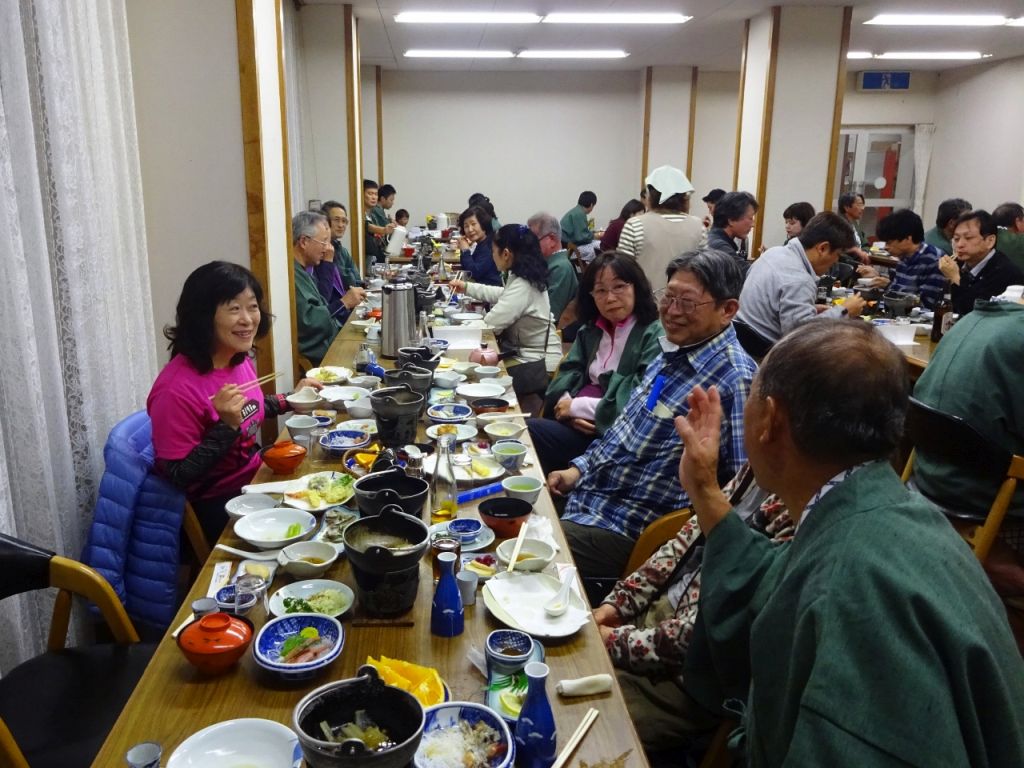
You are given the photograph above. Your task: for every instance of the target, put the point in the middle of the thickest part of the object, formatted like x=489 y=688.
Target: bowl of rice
x=461 y=733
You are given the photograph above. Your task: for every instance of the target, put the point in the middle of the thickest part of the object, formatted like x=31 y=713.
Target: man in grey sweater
x=782 y=283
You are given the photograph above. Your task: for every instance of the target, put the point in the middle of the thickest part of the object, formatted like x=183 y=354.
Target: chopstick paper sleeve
x=585 y=686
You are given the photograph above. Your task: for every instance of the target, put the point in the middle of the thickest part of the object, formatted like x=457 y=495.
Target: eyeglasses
x=323 y=243
x=615 y=290
x=681 y=305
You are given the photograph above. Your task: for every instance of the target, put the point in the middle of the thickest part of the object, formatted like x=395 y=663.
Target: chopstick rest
x=585 y=686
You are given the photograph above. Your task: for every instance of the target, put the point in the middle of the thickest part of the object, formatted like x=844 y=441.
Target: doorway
x=877 y=162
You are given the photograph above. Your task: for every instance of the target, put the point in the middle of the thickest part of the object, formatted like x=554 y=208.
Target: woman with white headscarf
x=667 y=229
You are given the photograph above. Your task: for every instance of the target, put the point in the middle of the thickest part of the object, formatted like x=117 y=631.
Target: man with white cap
x=667 y=229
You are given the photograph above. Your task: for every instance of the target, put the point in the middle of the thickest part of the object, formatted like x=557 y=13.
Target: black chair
x=753 y=343
x=950 y=440
x=57 y=708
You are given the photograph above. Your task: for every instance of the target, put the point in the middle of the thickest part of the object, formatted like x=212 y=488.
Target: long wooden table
x=173 y=700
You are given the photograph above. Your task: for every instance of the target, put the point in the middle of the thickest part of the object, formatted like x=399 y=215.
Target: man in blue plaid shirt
x=918 y=271
x=627 y=478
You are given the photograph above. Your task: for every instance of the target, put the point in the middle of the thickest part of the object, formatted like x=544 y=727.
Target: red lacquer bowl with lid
x=216 y=641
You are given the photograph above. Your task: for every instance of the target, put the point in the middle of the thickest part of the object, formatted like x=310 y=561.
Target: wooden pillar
x=354 y=134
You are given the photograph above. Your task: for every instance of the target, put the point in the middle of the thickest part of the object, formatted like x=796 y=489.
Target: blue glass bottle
x=446 y=614
x=535 y=728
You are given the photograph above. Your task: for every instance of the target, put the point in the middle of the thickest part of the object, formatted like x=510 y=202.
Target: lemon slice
x=309 y=633
x=512 y=702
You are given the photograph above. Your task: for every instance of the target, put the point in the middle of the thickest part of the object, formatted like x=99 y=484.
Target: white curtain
x=295 y=99
x=924 y=135
x=76 y=336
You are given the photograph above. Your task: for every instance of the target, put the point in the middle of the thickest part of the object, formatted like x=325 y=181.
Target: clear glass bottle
x=362 y=358
x=422 y=328
x=444 y=492
x=536 y=737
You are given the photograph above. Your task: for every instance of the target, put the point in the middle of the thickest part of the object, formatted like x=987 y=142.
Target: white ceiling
x=711 y=40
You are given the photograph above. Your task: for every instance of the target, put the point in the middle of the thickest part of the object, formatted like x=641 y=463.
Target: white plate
x=335 y=394
x=446 y=362
x=360 y=425
x=364 y=323
x=476 y=391
x=463 y=474
x=465 y=557
x=302 y=483
x=463 y=431
x=256 y=566
x=240 y=506
x=467 y=317
x=338 y=545
x=483 y=540
x=536 y=589
x=252 y=742
x=305 y=589
x=335 y=370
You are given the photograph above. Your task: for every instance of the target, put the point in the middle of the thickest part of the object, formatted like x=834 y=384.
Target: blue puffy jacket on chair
x=136 y=526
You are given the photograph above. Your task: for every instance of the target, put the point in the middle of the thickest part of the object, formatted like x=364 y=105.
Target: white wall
x=802 y=114
x=670 y=117
x=276 y=213
x=754 y=94
x=529 y=142
x=184 y=59
x=368 y=77
x=714 y=133
x=891 y=108
x=978 y=153
x=325 y=156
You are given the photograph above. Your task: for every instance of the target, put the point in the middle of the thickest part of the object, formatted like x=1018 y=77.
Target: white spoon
x=559 y=604
x=269 y=554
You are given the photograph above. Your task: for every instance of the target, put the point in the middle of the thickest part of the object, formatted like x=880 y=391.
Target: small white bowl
x=475 y=391
x=365 y=381
x=542 y=554
x=465 y=368
x=360 y=409
x=267 y=529
x=486 y=372
x=305 y=400
x=240 y=506
x=522 y=487
x=467 y=317
x=300 y=425
x=504 y=430
x=293 y=558
x=448 y=379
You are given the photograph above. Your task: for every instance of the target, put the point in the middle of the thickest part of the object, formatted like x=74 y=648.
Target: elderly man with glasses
x=311 y=238
x=627 y=479
x=562 y=280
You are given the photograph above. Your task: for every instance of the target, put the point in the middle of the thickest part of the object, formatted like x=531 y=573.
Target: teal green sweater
x=1012 y=244
x=316 y=327
x=562 y=283
x=641 y=347
x=935 y=237
x=975 y=373
x=873 y=638
x=575 y=228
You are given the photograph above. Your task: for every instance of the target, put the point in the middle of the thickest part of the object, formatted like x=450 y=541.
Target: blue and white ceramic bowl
x=337 y=441
x=225 y=598
x=448 y=715
x=508 y=650
x=466 y=529
x=266 y=649
x=449 y=413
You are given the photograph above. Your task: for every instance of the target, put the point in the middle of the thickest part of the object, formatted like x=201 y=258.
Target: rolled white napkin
x=585 y=686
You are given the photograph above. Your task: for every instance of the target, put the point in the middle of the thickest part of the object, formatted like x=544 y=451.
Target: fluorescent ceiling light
x=422 y=53
x=563 y=54
x=859 y=54
x=938 y=20
x=468 y=17
x=616 y=18
x=931 y=55
x=1016 y=22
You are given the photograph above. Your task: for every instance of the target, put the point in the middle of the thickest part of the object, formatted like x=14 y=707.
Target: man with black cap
x=667 y=229
x=710 y=200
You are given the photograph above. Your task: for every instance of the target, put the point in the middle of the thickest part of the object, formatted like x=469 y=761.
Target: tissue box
x=459 y=336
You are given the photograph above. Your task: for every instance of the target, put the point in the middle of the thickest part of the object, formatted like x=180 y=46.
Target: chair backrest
x=25 y=567
x=753 y=343
x=653 y=536
x=950 y=440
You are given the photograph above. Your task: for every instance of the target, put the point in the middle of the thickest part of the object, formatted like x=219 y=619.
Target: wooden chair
x=653 y=536
x=949 y=439
x=57 y=708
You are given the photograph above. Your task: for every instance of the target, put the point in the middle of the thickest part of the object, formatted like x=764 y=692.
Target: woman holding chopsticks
x=206 y=404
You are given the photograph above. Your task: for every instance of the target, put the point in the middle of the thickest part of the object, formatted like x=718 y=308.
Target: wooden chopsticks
x=577 y=737
x=255 y=382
